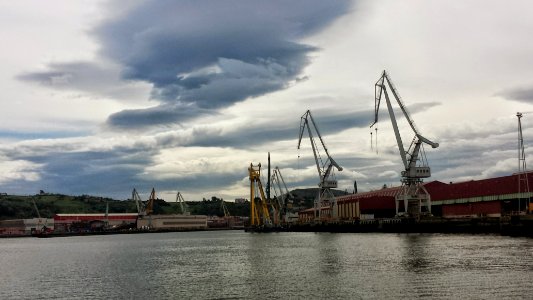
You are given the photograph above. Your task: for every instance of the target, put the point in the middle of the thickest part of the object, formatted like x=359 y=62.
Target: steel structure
x=282 y=194
x=224 y=208
x=325 y=197
x=149 y=208
x=138 y=202
x=413 y=194
x=259 y=214
x=40 y=225
x=143 y=209
x=181 y=203
x=523 y=183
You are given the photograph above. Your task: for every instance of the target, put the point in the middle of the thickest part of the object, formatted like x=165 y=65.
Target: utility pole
x=523 y=183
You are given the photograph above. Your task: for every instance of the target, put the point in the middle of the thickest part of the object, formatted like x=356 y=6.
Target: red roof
x=478 y=188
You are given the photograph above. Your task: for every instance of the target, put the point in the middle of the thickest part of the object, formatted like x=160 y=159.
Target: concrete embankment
x=511 y=225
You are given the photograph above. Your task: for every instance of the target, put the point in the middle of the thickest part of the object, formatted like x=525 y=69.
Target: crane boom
x=380 y=88
x=181 y=203
x=325 y=168
x=415 y=168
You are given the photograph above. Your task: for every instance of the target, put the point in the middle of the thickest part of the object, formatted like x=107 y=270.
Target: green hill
x=21 y=207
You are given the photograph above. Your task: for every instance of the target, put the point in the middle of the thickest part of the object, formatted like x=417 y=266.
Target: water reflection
x=328 y=254
x=415 y=255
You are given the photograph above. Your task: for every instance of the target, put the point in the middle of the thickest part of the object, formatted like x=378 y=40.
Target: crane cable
x=372 y=140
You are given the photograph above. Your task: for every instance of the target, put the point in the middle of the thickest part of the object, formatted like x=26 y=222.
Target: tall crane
x=40 y=226
x=149 y=208
x=224 y=208
x=259 y=215
x=181 y=203
x=283 y=196
x=412 y=194
x=138 y=202
x=143 y=209
x=325 y=197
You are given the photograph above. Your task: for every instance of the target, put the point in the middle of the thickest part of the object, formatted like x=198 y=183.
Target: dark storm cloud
x=206 y=54
x=210 y=54
x=105 y=172
x=158 y=115
x=521 y=94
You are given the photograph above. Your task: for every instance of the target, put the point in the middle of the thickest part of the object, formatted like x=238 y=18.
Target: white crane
x=181 y=203
x=138 y=202
x=325 y=197
x=413 y=194
x=283 y=196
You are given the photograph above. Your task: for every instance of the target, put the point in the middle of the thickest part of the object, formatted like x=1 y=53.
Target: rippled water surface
x=239 y=265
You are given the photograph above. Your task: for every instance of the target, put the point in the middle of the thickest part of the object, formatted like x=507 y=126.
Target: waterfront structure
x=25 y=227
x=70 y=222
x=172 y=222
x=493 y=197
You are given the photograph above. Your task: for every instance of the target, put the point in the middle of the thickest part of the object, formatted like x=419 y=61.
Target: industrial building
x=25 y=227
x=172 y=222
x=493 y=197
x=76 y=222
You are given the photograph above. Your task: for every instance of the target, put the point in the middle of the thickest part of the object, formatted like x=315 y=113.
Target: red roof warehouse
x=475 y=198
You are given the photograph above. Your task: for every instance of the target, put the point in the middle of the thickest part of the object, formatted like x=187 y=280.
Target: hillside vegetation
x=21 y=207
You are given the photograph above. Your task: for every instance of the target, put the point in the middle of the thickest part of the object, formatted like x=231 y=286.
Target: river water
x=239 y=265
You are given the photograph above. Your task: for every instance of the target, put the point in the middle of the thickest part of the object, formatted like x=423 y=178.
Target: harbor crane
x=224 y=209
x=138 y=202
x=325 y=197
x=40 y=226
x=259 y=215
x=412 y=194
x=143 y=209
x=181 y=203
x=281 y=192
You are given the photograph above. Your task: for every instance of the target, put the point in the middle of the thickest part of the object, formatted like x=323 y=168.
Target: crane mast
x=138 y=202
x=413 y=195
x=325 y=197
x=259 y=215
x=181 y=203
x=224 y=209
x=281 y=192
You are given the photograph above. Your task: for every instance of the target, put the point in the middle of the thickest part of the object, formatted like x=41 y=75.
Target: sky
x=100 y=97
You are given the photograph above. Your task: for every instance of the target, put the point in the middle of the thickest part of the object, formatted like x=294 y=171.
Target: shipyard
x=494 y=205
x=248 y=149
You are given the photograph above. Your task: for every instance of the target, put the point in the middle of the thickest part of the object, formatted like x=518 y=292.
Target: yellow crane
x=259 y=215
x=150 y=203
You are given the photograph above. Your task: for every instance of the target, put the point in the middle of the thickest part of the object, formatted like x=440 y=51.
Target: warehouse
x=172 y=222
x=85 y=222
x=25 y=227
x=493 y=197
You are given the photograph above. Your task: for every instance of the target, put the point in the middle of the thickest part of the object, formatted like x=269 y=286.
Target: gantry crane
x=282 y=194
x=259 y=215
x=412 y=193
x=144 y=209
x=150 y=203
x=181 y=203
x=138 y=202
x=40 y=226
x=325 y=197
x=224 y=208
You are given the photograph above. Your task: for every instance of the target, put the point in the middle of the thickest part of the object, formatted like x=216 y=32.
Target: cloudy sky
x=100 y=97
